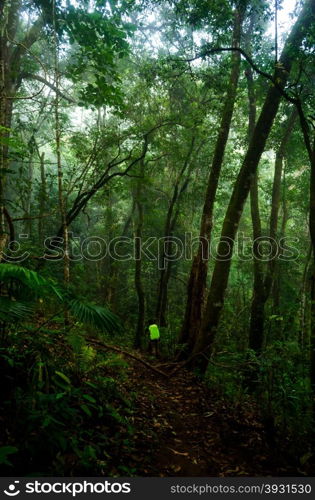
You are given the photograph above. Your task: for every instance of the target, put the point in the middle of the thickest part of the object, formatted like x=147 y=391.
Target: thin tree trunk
x=62 y=207
x=109 y=262
x=310 y=147
x=139 y=334
x=115 y=271
x=66 y=259
x=241 y=189
x=263 y=282
x=29 y=191
x=276 y=198
x=312 y=334
x=199 y=269
x=303 y=299
x=276 y=285
x=164 y=262
x=42 y=197
x=257 y=315
x=257 y=309
x=170 y=223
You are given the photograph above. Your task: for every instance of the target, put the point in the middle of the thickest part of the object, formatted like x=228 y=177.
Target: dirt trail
x=183 y=429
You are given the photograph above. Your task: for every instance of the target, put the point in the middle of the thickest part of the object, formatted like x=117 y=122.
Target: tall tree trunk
x=309 y=141
x=62 y=207
x=303 y=298
x=42 y=196
x=108 y=266
x=111 y=295
x=28 y=226
x=263 y=282
x=8 y=19
x=170 y=224
x=165 y=271
x=198 y=275
x=257 y=309
x=312 y=338
x=276 y=198
x=241 y=189
x=276 y=285
x=257 y=315
x=139 y=334
x=11 y=54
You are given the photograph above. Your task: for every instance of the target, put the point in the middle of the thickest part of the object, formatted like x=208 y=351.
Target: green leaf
x=11 y=310
x=31 y=279
x=97 y=316
x=63 y=376
x=5 y=451
x=86 y=410
x=89 y=398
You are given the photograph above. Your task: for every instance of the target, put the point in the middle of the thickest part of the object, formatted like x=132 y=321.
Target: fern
x=11 y=310
x=30 y=279
x=94 y=315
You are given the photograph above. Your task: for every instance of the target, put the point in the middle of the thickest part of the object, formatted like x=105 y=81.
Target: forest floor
x=151 y=423
x=184 y=429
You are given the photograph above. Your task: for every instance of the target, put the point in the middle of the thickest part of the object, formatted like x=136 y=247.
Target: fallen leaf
x=184 y=454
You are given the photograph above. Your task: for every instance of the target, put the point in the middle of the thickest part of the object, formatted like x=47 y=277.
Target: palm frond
x=31 y=279
x=11 y=310
x=94 y=315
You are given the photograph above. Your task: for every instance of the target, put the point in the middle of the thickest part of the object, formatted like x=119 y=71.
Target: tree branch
x=31 y=76
x=30 y=38
x=105 y=347
x=206 y=51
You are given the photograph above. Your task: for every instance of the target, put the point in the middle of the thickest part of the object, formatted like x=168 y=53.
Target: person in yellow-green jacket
x=154 y=335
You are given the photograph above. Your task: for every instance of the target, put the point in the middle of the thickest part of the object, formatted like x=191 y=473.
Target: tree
x=198 y=274
x=215 y=299
x=263 y=281
x=101 y=38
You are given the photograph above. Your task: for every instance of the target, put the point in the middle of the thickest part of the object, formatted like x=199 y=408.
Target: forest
x=157 y=177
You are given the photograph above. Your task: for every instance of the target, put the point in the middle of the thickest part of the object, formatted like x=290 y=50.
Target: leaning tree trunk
x=241 y=189
x=198 y=274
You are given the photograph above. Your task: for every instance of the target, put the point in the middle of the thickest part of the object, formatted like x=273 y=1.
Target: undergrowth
x=63 y=405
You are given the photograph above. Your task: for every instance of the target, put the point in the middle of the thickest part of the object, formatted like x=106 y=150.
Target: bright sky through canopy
x=285 y=21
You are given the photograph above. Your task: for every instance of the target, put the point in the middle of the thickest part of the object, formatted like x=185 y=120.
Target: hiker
x=154 y=335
